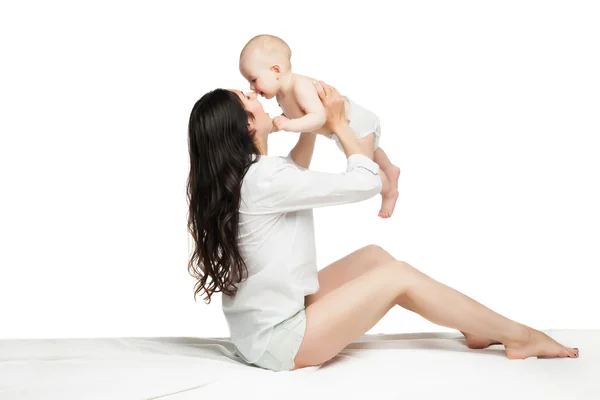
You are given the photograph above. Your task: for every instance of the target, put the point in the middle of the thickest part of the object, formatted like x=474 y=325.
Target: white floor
x=417 y=366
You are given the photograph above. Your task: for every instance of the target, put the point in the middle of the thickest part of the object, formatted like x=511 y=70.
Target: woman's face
x=262 y=122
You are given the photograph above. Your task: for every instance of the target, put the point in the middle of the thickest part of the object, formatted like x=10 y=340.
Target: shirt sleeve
x=289 y=159
x=291 y=187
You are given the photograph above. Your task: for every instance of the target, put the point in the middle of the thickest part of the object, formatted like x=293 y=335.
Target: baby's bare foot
x=388 y=199
x=538 y=344
x=388 y=202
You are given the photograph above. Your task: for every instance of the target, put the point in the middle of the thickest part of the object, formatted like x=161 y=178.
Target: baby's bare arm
x=308 y=99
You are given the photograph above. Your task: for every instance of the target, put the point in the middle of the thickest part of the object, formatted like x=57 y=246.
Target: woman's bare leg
x=356 y=264
x=475 y=342
x=346 y=313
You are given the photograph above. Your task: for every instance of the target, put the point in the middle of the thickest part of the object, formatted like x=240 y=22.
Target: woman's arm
x=302 y=152
x=289 y=188
x=337 y=122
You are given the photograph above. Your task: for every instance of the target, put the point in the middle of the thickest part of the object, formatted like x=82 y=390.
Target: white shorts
x=284 y=344
x=362 y=122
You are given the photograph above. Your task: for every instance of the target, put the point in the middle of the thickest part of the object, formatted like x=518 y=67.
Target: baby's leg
x=384 y=163
x=391 y=170
x=389 y=175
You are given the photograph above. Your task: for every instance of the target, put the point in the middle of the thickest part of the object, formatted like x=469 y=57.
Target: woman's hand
x=334 y=105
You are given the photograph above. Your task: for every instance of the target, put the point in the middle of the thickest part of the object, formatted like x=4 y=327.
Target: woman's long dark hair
x=221 y=148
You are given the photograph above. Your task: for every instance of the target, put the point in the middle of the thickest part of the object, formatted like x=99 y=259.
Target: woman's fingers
x=330 y=92
x=327 y=90
x=320 y=86
x=333 y=103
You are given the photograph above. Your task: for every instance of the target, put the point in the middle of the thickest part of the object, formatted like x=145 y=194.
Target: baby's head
x=263 y=61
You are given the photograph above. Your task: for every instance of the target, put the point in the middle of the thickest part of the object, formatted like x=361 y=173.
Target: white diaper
x=362 y=122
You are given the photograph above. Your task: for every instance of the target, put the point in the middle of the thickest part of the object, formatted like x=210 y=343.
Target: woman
x=251 y=219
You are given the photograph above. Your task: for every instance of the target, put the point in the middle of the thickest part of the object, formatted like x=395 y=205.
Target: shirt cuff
x=360 y=160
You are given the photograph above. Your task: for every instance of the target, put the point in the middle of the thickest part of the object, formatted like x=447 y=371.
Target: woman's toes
x=574 y=352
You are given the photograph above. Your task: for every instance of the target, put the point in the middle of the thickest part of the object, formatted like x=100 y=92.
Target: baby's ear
x=276 y=68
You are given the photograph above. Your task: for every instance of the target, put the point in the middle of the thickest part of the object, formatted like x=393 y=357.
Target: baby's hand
x=281 y=123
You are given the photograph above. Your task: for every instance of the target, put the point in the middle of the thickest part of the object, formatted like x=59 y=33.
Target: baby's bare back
x=289 y=103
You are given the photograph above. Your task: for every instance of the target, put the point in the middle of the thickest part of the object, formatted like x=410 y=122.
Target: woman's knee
x=379 y=252
x=405 y=273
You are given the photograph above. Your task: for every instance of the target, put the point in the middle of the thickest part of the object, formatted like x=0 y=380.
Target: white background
x=491 y=110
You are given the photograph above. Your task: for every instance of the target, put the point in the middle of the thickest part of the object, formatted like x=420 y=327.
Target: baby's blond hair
x=271 y=47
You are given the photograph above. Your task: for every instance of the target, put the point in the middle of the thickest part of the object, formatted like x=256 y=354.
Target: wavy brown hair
x=220 y=148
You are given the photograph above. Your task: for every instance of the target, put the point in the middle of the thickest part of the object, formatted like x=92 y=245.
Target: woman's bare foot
x=538 y=344
x=388 y=199
x=476 y=342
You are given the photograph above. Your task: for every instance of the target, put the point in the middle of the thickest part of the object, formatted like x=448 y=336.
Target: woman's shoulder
x=263 y=172
x=258 y=182
x=265 y=166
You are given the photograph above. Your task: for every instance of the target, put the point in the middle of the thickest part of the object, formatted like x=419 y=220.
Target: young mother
x=251 y=219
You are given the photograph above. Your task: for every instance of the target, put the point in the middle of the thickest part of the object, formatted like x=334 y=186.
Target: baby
x=265 y=61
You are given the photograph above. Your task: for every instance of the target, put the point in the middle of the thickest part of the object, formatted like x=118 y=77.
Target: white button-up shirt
x=277 y=241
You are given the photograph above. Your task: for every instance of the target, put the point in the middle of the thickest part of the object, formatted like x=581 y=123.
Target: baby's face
x=262 y=79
